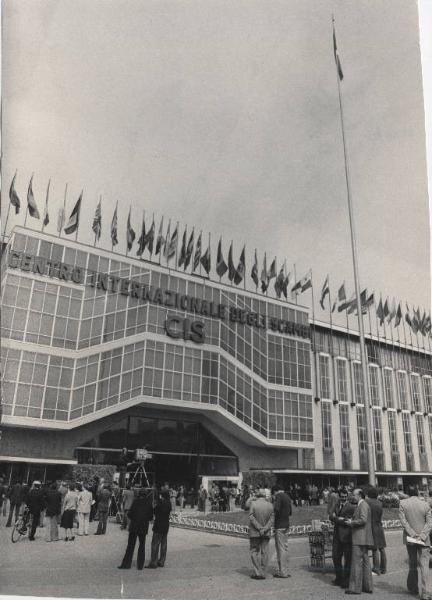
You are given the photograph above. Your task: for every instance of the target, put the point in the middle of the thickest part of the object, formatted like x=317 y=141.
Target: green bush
x=259 y=479
x=88 y=473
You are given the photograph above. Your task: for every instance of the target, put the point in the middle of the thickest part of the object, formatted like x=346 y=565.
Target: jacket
x=85 y=499
x=282 y=510
x=53 y=502
x=376 y=518
x=162 y=515
x=35 y=501
x=104 y=497
x=342 y=532
x=16 y=493
x=140 y=514
x=261 y=517
x=416 y=518
x=362 y=525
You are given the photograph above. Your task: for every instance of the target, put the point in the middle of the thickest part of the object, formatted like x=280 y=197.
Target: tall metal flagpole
x=370 y=453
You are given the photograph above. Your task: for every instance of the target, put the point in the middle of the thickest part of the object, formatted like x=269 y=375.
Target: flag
x=336 y=56
x=97 y=221
x=114 y=240
x=189 y=250
x=325 y=291
x=46 y=215
x=149 y=238
x=392 y=312
x=386 y=310
x=141 y=239
x=13 y=196
x=380 y=312
x=398 y=317
x=206 y=260
x=278 y=285
x=352 y=305
x=285 y=285
x=221 y=266
x=272 y=272
x=428 y=324
x=241 y=267
x=264 y=275
x=60 y=219
x=172 y=245
x=73 y=223
x=254 y=272
x=370 y=301
x=183 y=249
x=422 y=324
x=130 y=233
x=160 y=238
x=197 y=255
x=416 y=321
x=341 y=297
x=167 y=240
x=407 y=316
x=231 y=267
x=365 y=302
x=347 y=304
x=301 y=286
x=31 y=203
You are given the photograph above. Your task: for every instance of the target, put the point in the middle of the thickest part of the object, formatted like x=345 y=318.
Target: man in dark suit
x=282 y=513
x=342 y=538
x=416 y=519
x=140 y=514
x=15 y=500
x=362 y=539
x=160 y=531
x=378 y=552
x=36 y=503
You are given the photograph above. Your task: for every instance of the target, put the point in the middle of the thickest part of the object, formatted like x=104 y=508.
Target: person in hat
x=261 y=518
x=36 y=503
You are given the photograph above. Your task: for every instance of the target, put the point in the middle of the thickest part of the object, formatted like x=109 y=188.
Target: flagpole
x=331 y=323
x=63 y=219
x=371 y=457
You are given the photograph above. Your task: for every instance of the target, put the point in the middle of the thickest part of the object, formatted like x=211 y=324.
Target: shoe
x=72 y=539
x=257 y=577
x=376 y=572
x=66 y=539
x=336 y=582
x=367 y=591
x=352 y=593
x=31 y=539
x=280 y=576
x=151 y=566
x=122 y=567
x=97 y=533
x=160 y=564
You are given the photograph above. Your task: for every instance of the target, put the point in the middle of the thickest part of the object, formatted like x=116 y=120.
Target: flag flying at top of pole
x=142 y=237
x=97 y=221
x=183 y=249
x=45 y=219
x=31 y=203
x=73 y=222
x=197 y=255
x=189 y=250
x=160 y=238
x=231 y=267
x=221 y=266
x=13 y=196
x=254 y=272
x=336 y=55
x=325 y=291
x=149 y=237
x=206 y=260
x=241 y=267
x=114 y=239
x=130 y=233
x=341 y=297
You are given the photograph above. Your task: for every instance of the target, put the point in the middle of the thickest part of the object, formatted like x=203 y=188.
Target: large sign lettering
x=174 y=326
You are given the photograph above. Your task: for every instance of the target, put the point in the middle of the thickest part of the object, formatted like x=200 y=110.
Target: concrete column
x=401 y=441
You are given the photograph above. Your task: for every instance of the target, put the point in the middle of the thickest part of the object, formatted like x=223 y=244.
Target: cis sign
x=185 y=328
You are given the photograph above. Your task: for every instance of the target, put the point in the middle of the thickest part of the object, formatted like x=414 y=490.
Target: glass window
x=420 y=434
x=388 y=388
x=326 y=425
x=344 y=426
x=374 y=385
x=358 y=383
x=342 y=381
x=324 y=369
x=402 y=390
x=416 y=394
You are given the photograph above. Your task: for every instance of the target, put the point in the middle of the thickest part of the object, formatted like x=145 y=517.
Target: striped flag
x=130 y=233
x=97 y=220
x=13 y=196
x=341 y=297
x=301 y=286
x=31 y=203
x=73 y=222
x=114 y=224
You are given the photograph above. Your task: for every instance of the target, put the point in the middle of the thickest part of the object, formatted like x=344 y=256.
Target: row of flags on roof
x=195 y=253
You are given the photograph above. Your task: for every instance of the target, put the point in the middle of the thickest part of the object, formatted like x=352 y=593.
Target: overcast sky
x=224 y=115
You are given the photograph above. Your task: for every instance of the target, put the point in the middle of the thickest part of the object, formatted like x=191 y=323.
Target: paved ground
x=201 y=566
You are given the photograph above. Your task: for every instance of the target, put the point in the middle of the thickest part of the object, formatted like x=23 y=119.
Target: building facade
x=101 y=351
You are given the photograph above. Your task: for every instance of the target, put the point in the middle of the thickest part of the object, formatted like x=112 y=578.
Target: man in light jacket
x=362 y=539
x=416 y=518
x=85 y=499
x=261 y=518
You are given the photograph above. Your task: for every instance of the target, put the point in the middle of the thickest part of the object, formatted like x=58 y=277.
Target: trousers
x=130 y=548
x=13 y=507
x=342 y=553
x=379 y=560
x=51 y=533
x=83 y=523
x=259 y=553
x=103 y=519
x=159 y=547
x=361 y=572
x=418 y=573
x=35 y=524
x=281 y=543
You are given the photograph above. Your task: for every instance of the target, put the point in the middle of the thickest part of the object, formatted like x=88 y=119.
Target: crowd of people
x=358 y=547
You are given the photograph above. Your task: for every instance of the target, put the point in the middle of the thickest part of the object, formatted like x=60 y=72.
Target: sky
x=224 y=116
